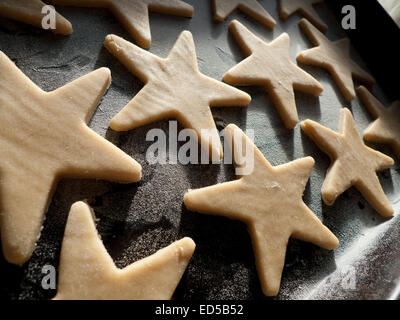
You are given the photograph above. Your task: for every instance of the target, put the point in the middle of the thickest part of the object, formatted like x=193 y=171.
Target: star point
x=335 y=58
x=87 y=271
x=44 y=137
x=174 y=87
x=385 y=128
x=269 y=201
x=352 y=163
x=223 y=8
x=269 y=65
x=30 y=12
x=134 y=14
x=305 y=8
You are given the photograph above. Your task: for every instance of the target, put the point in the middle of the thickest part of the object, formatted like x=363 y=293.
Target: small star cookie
x=386 y=127
x=223 y=8
x=44 y=136
x=30 y=12
x=87 y=272
x=305 y=8
x=334 y=57
x=269 y=201
x=174 y=88
x=134 y=14
x=353 y=163
x=270 y=65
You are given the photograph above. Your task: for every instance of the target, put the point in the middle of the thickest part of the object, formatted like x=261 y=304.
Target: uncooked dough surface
x=269 y=201
x=134 y=14
x=138 y=219
x=386 y=127
x=30 y=12
x=223 y=8
x=353 y=163
x=270 y=65
x=174 y=88
x=87 y=272
x=44 y=136
x=334 y=57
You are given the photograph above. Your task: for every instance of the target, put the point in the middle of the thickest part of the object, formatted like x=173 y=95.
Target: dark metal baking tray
x=138 y=219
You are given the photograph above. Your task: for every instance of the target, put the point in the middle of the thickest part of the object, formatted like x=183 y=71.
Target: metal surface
x=138 y=219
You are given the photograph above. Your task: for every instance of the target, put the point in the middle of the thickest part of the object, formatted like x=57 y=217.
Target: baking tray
x=138 y=219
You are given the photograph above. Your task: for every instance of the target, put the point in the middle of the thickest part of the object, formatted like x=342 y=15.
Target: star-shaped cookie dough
x=305 y=8
x=134 y=14
x=270 y=65
x=87 y=272
x=30 y=12
x=386 y=127
x=334 y=57
x=43 y=136
x=174 y=88
x=269 y=201
x=353 y=163
x=223 y=8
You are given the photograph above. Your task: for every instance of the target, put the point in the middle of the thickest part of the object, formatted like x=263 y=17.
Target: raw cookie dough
x=87 y=272
x=386 y=127
x=270 y=65
x=305 y=8
x=134 y=14
x=353 y=163
x=223 y=8
x=30 y=12
x=43 y=136
x=334 y=57
x=269 y=201
x=174 y=88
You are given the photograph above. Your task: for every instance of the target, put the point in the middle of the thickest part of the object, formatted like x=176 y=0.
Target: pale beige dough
x=353 y=163
x=87 y=272
x=305 y=8
x=44 y=136
x=334 y=57
x=223 y=8
x=134 y=14
x=386 y=127
x=269 y=201
x=30 y=12
x=269 y=65
x=174 y=87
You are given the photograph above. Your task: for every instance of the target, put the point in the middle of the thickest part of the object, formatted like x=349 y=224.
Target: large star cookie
x=334 y=57
x=87 y=272
x=223 y=8
x=43 y=136
x=305 y=8
x=386 y=127
x=269 y=201
x=134 y=14
x=353 y=163
x=30 y=12
x=270 y=65
x=174 y=88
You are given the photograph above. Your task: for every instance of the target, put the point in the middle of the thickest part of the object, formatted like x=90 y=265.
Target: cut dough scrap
x=305 y=8
x=43 y=136
x=353 y=163
x=270 y=65
x=223 y=8
x=334 y=57
x=30 y=12
x=174 y=88
x=386 y=127
x=87 y=272
x=134 y=14
x=269 y=201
